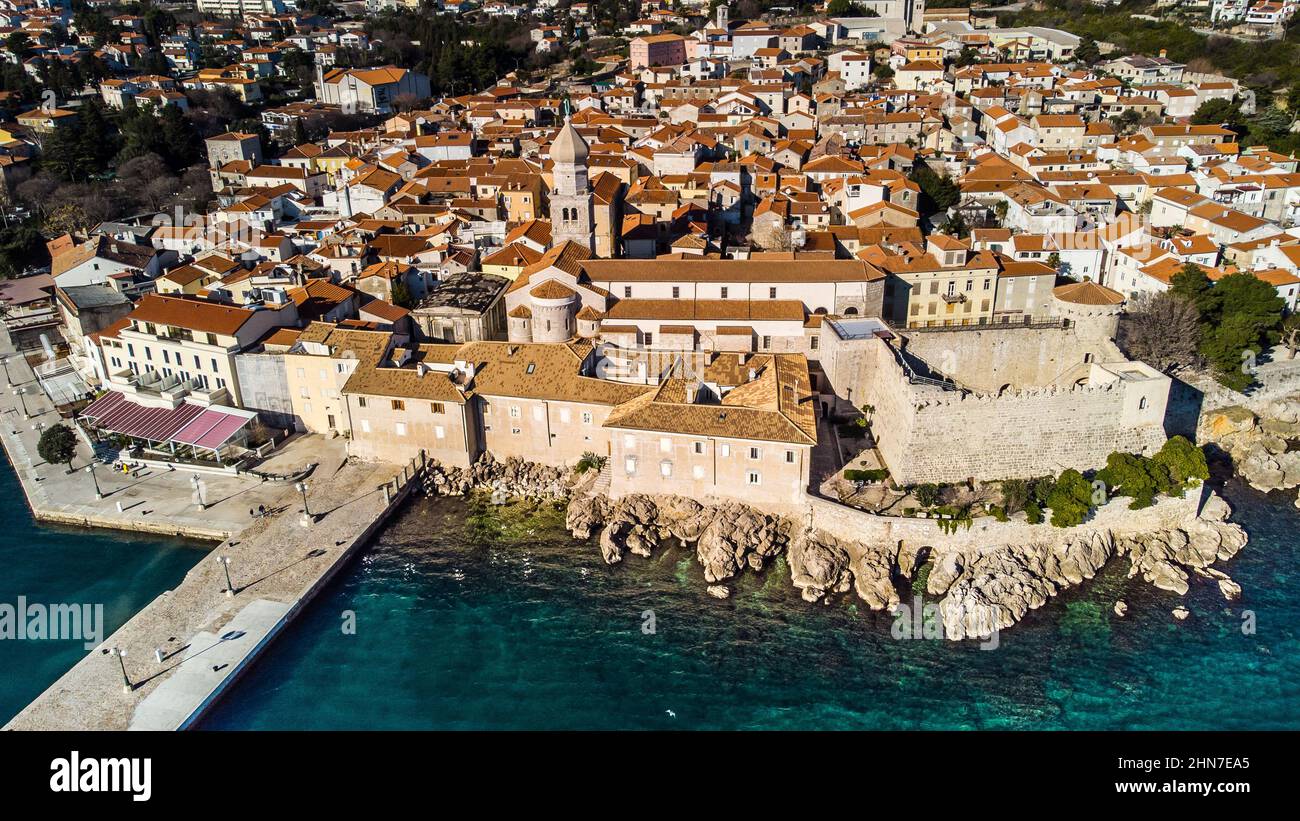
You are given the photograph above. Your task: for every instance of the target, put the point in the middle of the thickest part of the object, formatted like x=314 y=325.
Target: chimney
x=752 y=374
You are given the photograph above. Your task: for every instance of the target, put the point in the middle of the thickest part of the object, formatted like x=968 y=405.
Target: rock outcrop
x=1259 y=445
x=993 y=587
x=983 y=587
x=512 y=477
x=727 y=537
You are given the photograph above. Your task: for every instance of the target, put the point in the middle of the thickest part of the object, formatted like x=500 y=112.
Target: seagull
x=671 y=714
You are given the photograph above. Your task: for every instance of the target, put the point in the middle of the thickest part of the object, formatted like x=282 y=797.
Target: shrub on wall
x=872 y=475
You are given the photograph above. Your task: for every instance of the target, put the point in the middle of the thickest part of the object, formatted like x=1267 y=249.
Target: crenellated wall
x=927 y=434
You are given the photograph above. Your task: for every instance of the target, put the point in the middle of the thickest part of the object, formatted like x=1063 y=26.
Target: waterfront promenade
x=156 y=500
x=189 y=644
x=206 y=636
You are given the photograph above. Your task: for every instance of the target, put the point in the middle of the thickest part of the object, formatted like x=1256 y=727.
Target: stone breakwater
x=986 y=578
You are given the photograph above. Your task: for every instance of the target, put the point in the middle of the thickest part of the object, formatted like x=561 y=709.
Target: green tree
x=1184 y=460
x=1192 y=284
x=1015 y=495
x=58 y=445
x=1128 y=474
x=938 y=192
x=18 y=43
x=1070 y=499
x=1087 y=52
x=1218 y=112
x=1245 y=315
x=927 y=495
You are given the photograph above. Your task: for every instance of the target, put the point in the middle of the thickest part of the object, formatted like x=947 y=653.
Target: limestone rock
x=1181 y=613
x=611 y=542
x=1121 y=609
x=873 y=579
x=819 y=567
x=719 y=591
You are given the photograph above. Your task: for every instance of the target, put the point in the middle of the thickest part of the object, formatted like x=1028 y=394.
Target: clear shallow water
x=124 y=571
x=465 y=621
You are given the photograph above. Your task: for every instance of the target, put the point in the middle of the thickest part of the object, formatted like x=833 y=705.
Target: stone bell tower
x=571 y=208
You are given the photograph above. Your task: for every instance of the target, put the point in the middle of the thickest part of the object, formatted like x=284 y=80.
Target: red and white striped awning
x=186 y=424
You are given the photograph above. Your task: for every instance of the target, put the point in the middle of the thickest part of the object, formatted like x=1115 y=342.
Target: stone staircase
x=600 y=487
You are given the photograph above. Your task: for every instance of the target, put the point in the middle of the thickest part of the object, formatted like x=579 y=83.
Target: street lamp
x=224 y=561
x=198 y=491
x=302 y=488
x=121 y=660
x=5 y=362
x=21 y=393
x=90 y=468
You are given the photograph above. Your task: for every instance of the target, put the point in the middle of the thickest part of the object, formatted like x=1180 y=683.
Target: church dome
x=569 y=147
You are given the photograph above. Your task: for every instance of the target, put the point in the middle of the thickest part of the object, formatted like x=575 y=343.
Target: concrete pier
x=206 y=636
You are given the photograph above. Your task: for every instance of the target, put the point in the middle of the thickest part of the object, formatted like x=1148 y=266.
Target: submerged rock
x=1181 y=613
x=1121 y=609
x=718 y=591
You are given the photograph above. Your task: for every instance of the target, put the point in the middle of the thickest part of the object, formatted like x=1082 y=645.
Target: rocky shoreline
x=1264 y=447
x=981 y=587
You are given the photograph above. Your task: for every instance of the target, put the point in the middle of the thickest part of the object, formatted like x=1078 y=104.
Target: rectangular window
x=361 y=401
x=400 y=428
x=771 y=293
x=649 y=338
x=629 y=465
x=197 y=364
x=586 y=417
x=665 y=445
x=725 y=449
x=437 y=407
x=398 y=405
x=789 y=457
x=666 y=469
x=767 y=343
x=753 y=453
x=698 y=471
x=539 y=413
x=814 y=342
x=514 y=411
x=754 y=478
x=699 y=447
x=724 y=292
x=564 y=416
x=439 y=432
x=677 y=292
x=627 y=291
x=365 y=425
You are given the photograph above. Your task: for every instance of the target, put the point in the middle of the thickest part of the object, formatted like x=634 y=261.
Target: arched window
x=850 y=311
x=1142 y=403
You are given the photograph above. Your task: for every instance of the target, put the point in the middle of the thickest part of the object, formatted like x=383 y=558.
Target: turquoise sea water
x=52 y=565
x=466 y=621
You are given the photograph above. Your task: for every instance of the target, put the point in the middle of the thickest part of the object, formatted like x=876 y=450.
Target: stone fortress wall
x=989 y=360
x=1042 y=415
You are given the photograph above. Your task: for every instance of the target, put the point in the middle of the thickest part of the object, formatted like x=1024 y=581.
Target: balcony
x=953 y=299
